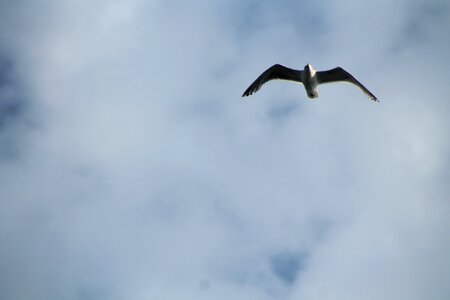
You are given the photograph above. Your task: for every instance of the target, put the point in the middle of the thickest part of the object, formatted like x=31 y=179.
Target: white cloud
x=141 y=173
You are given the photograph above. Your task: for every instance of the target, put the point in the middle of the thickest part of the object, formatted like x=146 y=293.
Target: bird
x=309 y=77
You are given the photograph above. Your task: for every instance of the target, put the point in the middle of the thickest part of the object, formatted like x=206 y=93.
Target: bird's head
x=309 y=70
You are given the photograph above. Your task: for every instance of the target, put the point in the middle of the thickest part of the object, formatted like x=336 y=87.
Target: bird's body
x=309 y=77
x=309 y=80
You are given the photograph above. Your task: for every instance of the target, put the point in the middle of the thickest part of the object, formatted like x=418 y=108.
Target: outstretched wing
x=339 y=74
x=274 y=72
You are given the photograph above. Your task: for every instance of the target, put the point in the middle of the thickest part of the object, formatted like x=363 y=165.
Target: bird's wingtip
x=247 y=93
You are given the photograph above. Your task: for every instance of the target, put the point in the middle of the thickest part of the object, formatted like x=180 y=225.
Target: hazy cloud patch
x=145 y=175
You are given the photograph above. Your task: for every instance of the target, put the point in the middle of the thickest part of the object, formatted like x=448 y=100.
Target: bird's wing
x=339 y=74
x=274 y=72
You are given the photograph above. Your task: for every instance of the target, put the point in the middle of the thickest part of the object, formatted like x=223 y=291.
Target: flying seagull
x=309 y=77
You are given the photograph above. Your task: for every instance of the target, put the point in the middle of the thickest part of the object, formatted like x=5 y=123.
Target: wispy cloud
x=141 y=173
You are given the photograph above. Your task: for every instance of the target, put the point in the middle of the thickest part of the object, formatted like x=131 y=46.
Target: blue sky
x=131 y=168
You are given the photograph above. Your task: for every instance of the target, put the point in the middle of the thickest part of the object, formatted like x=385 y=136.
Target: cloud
x=142 y=174
x=287 y=266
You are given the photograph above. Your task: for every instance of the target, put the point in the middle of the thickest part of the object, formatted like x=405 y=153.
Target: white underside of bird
x=309 y=77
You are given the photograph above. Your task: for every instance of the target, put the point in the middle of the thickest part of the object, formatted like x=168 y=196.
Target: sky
x=132 y=168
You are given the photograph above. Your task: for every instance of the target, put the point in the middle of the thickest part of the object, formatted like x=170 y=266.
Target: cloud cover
x=131 y=168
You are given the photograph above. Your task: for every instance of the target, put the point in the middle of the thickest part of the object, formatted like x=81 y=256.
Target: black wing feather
x=339 y=74
x=275 y=72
